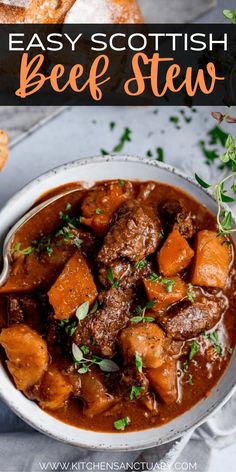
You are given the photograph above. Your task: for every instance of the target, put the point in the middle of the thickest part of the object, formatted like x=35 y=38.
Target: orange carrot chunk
x=163 y=380
x=175 y=254
x=74 y=286
x=211 y=261
x=99 y=205
x=164 y=292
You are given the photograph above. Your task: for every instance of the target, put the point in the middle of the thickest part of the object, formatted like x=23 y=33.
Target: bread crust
x=56 y=11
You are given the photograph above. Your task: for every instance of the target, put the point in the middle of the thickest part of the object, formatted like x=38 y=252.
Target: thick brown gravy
x=33 y=274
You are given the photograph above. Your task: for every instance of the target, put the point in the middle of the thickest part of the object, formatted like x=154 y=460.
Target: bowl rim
x=185 y=430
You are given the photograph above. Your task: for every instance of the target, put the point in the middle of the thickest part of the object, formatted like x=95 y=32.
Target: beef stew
x=118 y=313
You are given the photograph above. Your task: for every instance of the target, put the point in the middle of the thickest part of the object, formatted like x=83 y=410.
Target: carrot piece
x=100 y=203
x=158 y=291
x=211 y=261
x=74 y=286
x=163 y=380
x=175 y=254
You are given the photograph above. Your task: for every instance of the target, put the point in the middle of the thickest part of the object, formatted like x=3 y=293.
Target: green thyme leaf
x=190 y=379
x=138 y=362
x=82 y=311
x=193 y=350
x=107 y=365
x=201 y=182
x=140 y=264
x=121 y=424
x=190 y=293
x=135 y=392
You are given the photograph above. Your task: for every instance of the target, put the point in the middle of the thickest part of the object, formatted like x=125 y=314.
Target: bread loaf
x=69 y=11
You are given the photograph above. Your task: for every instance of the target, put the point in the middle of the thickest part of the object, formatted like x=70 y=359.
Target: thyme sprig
x=224 y=216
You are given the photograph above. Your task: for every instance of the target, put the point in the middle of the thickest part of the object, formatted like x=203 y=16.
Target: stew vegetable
x=119 y=310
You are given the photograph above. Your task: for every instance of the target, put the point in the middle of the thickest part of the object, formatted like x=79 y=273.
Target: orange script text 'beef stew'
x=119 y=310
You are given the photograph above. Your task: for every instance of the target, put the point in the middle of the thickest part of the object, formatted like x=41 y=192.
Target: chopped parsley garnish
x=125 y=137
x=115 y=283
x=194 y=348
x=135 y=392
x=160 y=154
x=23 y=252
x=98 y=211
x=218 y=136
x=190 y=293
x=190 y=379
x=138 y=362
x=121 y=424
x=140 y=264
x=104 y=152
x=149 y=153
x=168 y=284
x=210 y=154
x=121 y=183
x=184 y=366
x=112 y=125
x=230 y=350
x=215 y=340
x=153 y=277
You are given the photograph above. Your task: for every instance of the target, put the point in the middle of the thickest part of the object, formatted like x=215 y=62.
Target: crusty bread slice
x=71 y=11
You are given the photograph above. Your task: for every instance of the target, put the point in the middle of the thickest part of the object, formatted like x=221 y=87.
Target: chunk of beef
x=135 y=234
x=186 y=320
x=124 y=272
x=24 y=309
x=27 y=355
x=177 y=217
x=131 y=377
x=99 y=330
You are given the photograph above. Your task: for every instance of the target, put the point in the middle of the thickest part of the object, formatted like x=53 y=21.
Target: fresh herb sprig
x=141 y=312
x=84 y=364
x=224 y=216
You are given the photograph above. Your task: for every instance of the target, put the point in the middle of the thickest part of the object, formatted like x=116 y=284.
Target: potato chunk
x=163 y=296
x=100 y=203
x=175 y=254
x=211 y=261
x=74 y=286
x=27 y=354
x=147 y=339
x=94 y=394
x=163 y=380
x=54 y=390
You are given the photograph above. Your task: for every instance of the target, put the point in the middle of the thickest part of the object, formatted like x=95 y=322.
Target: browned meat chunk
x=27 y=354
x=177 y=217
x=187 y=320
x=24 y=310
x=99 y=330
x=123 y=273
x=135 y=234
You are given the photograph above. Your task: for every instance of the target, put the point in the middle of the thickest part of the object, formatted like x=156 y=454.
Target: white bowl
x=93 y=169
